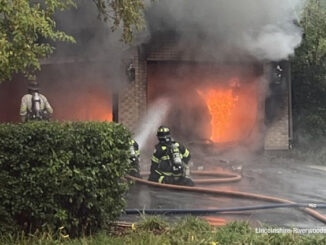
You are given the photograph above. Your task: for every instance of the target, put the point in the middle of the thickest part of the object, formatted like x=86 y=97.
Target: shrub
x=68 y=174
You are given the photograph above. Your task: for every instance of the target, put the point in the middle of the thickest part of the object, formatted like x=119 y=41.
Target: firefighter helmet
x=163 y=133
x=33 y=86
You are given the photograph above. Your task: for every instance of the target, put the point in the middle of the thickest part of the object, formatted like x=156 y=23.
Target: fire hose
x=226 y=177
x=222 y=210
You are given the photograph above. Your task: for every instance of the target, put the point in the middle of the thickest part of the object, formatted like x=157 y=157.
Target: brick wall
x=279 y=131
x=277 y=134
x=132 y=100
x=168 y=52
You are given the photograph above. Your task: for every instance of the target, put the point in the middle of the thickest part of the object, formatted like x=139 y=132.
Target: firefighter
x=170 y=160
x=134 y=158
x=35 y=106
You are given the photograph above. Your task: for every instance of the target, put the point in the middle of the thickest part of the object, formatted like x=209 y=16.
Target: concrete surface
x=263 y=173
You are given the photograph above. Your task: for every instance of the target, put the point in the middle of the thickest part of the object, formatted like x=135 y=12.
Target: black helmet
x=163 y=133
x=33 y=86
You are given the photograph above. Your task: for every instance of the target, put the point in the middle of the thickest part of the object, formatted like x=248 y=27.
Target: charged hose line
x=227 y=177
x=220 y=177
x=222 y=210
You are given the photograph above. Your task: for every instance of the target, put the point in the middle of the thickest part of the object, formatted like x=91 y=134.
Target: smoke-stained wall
x=77 y=91
x=11 y=93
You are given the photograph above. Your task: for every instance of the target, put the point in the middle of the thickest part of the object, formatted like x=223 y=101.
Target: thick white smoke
x=272 y=43
x=152 y=120
x=265 y=29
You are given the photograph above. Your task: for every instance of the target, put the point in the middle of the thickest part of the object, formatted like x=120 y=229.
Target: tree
x=309 y=71
x=128 y=13
x=28 y=29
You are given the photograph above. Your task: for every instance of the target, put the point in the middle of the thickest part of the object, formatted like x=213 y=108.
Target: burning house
x=235 y=102
x=219 y=65
x=222 y=66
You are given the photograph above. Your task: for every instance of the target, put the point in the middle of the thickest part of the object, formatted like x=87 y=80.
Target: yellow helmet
x=163 y=132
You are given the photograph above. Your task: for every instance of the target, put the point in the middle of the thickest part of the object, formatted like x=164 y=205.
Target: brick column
x=277 y=134
x=132 y=100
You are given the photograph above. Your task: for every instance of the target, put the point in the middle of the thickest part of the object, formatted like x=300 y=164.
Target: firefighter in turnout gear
x=35 y=106
x=170 y=160
x=134 y=158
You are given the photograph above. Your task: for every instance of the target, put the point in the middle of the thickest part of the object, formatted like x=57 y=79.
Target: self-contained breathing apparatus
x=134 y=159
x=133 y=156
x=37 y=112
x=36 y=106
x=177 y=165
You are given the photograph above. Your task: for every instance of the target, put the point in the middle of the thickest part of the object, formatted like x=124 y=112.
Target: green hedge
x=62 y=174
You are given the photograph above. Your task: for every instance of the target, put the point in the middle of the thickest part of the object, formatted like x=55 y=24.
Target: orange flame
x=220 y=104
x=93 y=108
x=233 y=111
x=96 y=106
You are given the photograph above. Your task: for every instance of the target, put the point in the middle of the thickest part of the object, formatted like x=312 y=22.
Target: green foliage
x=190 y=224
x=125 y=13
x=26 y=28
x=62 y=175
x=232 y=233
x=152 y=223
x=191 y=230
x=309 y=72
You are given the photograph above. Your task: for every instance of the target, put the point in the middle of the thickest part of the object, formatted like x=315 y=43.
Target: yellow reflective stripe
x=158 y=172
x=23 y=112
x=161 y=130
x=163 y=147
x=160 y=180
x=186 y=154
x=165 y=158
x=154 y=159
x=23 y=109
x=163 y=173
x=177 y=144
x=177 y=175
x=137 y=153
x=167 y=173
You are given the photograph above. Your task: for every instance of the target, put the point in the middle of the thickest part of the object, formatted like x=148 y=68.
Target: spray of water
x=152 y=120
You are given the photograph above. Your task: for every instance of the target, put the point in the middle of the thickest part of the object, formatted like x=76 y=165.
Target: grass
x=154 y=230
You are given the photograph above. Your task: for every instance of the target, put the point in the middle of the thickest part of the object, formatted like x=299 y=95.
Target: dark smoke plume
x=265 y=29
